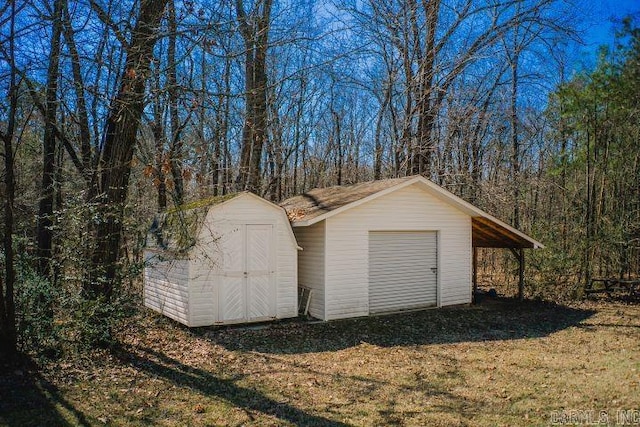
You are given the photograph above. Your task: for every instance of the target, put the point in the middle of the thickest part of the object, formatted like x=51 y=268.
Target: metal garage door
x=402 y=270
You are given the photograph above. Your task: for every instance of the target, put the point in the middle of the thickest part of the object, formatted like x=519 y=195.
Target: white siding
x=205 y=267
x=286 y=275
x=166 y=286
x=203 y=283
x=408 y=209
x=311 y=265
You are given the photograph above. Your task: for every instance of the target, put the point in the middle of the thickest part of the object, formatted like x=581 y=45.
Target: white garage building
x=229 y=259
x=391 y=245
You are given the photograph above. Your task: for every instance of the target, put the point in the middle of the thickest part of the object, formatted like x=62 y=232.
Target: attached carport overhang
x=488 y=232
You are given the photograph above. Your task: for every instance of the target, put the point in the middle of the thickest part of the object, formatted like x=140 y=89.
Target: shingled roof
x=321 y=203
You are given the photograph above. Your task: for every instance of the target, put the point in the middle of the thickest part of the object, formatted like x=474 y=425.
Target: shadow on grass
x=157 y=364
x=30 y=400
x=615 y=297
x=492 y=320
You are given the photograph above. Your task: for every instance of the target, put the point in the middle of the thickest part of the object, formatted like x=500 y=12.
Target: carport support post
x=521 y=274
x=475 y=271
x=519 y=254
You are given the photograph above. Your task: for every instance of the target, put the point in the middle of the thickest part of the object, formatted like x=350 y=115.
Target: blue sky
x=599 y=27
x=596 y=27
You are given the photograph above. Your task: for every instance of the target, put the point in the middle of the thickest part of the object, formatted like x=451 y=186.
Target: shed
x=229 y=259
x=391 y=245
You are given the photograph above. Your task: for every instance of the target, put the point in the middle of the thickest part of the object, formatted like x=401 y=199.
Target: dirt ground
x=498 y=363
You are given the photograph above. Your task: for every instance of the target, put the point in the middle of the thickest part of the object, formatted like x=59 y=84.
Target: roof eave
x=300 y=224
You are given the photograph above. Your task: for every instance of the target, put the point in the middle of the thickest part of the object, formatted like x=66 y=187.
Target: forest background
x=114 y=111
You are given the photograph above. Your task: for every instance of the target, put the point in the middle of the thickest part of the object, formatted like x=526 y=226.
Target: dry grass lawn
x=499 y=363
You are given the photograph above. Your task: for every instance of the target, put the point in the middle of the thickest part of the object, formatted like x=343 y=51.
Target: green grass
x=495 y=364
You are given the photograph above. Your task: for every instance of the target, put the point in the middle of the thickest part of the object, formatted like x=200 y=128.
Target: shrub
x=36 y=299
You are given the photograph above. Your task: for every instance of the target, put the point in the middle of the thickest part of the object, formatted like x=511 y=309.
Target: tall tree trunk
x=591 y=193
x=8 y=336
x=78 y=85
x=255 y=32
x=408 y=51
x=46 y=206
x=111 y=178
x=337 y=138
x=248 y=127
x=296 y=135
x=260 y=106
x=59 y=202
x=587 y=250
x=225 y=155
x=275 y=153
x=157 y=129
x=175 y=153
x=425 y=147
x=379 y=148
x=218 y=162
x=515 y=141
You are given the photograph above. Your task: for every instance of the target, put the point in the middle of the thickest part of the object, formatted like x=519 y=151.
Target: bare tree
x=84 y=134
x=49 y=147
x=111 y=178
x=254 y=28
x=8 y=336
x=176 y=146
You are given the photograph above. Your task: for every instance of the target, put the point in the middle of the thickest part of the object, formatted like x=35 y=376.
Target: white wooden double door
x=247 y=291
